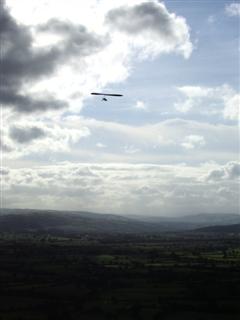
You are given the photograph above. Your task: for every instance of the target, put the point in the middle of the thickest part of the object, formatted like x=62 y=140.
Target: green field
x=119 y=277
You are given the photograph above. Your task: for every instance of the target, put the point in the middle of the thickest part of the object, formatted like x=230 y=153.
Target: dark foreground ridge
x=176 y=276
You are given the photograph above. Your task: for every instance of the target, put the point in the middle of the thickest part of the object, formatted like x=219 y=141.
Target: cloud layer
x=222 y=100
x=140 y=154
x=53 y=64
x=140 y=189
x=150 y=26
x=22 y=64
x=233 y=9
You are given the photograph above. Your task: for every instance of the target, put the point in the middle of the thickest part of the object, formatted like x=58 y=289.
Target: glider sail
x=107 y=94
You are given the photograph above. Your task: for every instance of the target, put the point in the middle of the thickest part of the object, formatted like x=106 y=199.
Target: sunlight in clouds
x=175 y=127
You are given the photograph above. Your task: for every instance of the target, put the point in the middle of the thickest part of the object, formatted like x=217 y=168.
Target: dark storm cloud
x=77 y=40
x=22 y=64
x=23 y=135
x=148 y=16
x=24 y=103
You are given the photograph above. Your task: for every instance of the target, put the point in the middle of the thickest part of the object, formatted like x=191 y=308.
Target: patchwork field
x=175 y=276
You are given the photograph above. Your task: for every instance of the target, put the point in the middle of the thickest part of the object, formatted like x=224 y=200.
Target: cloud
x=160 y=142
x=222 y=101
x=230 y=171
x=233 y=9
x=75 y=39
x=26 y=104
x=51 y=62
x=26 y=135
x=232 y=108
x=4 y=171
x=4 y=145
x=141 y=105
x=54 y=54
x=211 y=19
x=22 y=64
x=195 y=97
x=195 y=91
x=193 y=141
x=151 y=27
x=86 y=139
x=120 y=188
x=100 y=145
x=40 y=139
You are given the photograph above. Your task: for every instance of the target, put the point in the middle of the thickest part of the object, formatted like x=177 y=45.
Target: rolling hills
x=74 y=222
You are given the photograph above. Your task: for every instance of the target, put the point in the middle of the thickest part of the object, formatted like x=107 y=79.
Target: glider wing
x=107 y=94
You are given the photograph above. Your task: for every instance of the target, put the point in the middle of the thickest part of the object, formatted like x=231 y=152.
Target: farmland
x=171 y=276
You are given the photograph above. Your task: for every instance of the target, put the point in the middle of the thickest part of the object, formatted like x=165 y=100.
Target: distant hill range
x=232 y=228
x=74 y=222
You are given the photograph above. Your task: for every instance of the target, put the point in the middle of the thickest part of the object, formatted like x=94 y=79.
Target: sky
x=168 y=147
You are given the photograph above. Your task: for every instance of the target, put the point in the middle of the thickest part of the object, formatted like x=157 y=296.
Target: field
x=172 y=276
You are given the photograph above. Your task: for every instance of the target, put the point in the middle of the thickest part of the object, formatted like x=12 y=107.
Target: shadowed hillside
x=71 y=222
x=233 y=228
x=26 y=220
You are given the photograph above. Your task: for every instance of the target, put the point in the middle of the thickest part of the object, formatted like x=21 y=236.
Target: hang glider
x=106 y=94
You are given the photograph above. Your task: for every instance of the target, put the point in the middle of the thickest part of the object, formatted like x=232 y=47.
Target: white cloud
x=104 y=49
x=211 y=19
x=232 y=108
x=86 y=139
x=222 y=100
x=120 y=188
x=233 y=9
x=193 y=141
x=101 y=145
x=229 y=171
x=140 y=105
x=108 y=57
x=161 y=142
x=150 y=27
x=195 y=91
x=40 y=137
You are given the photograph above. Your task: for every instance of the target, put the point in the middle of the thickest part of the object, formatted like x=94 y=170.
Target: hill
x=77 y=222
x=233 y=228
x=191 y=222
x=70 y=222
